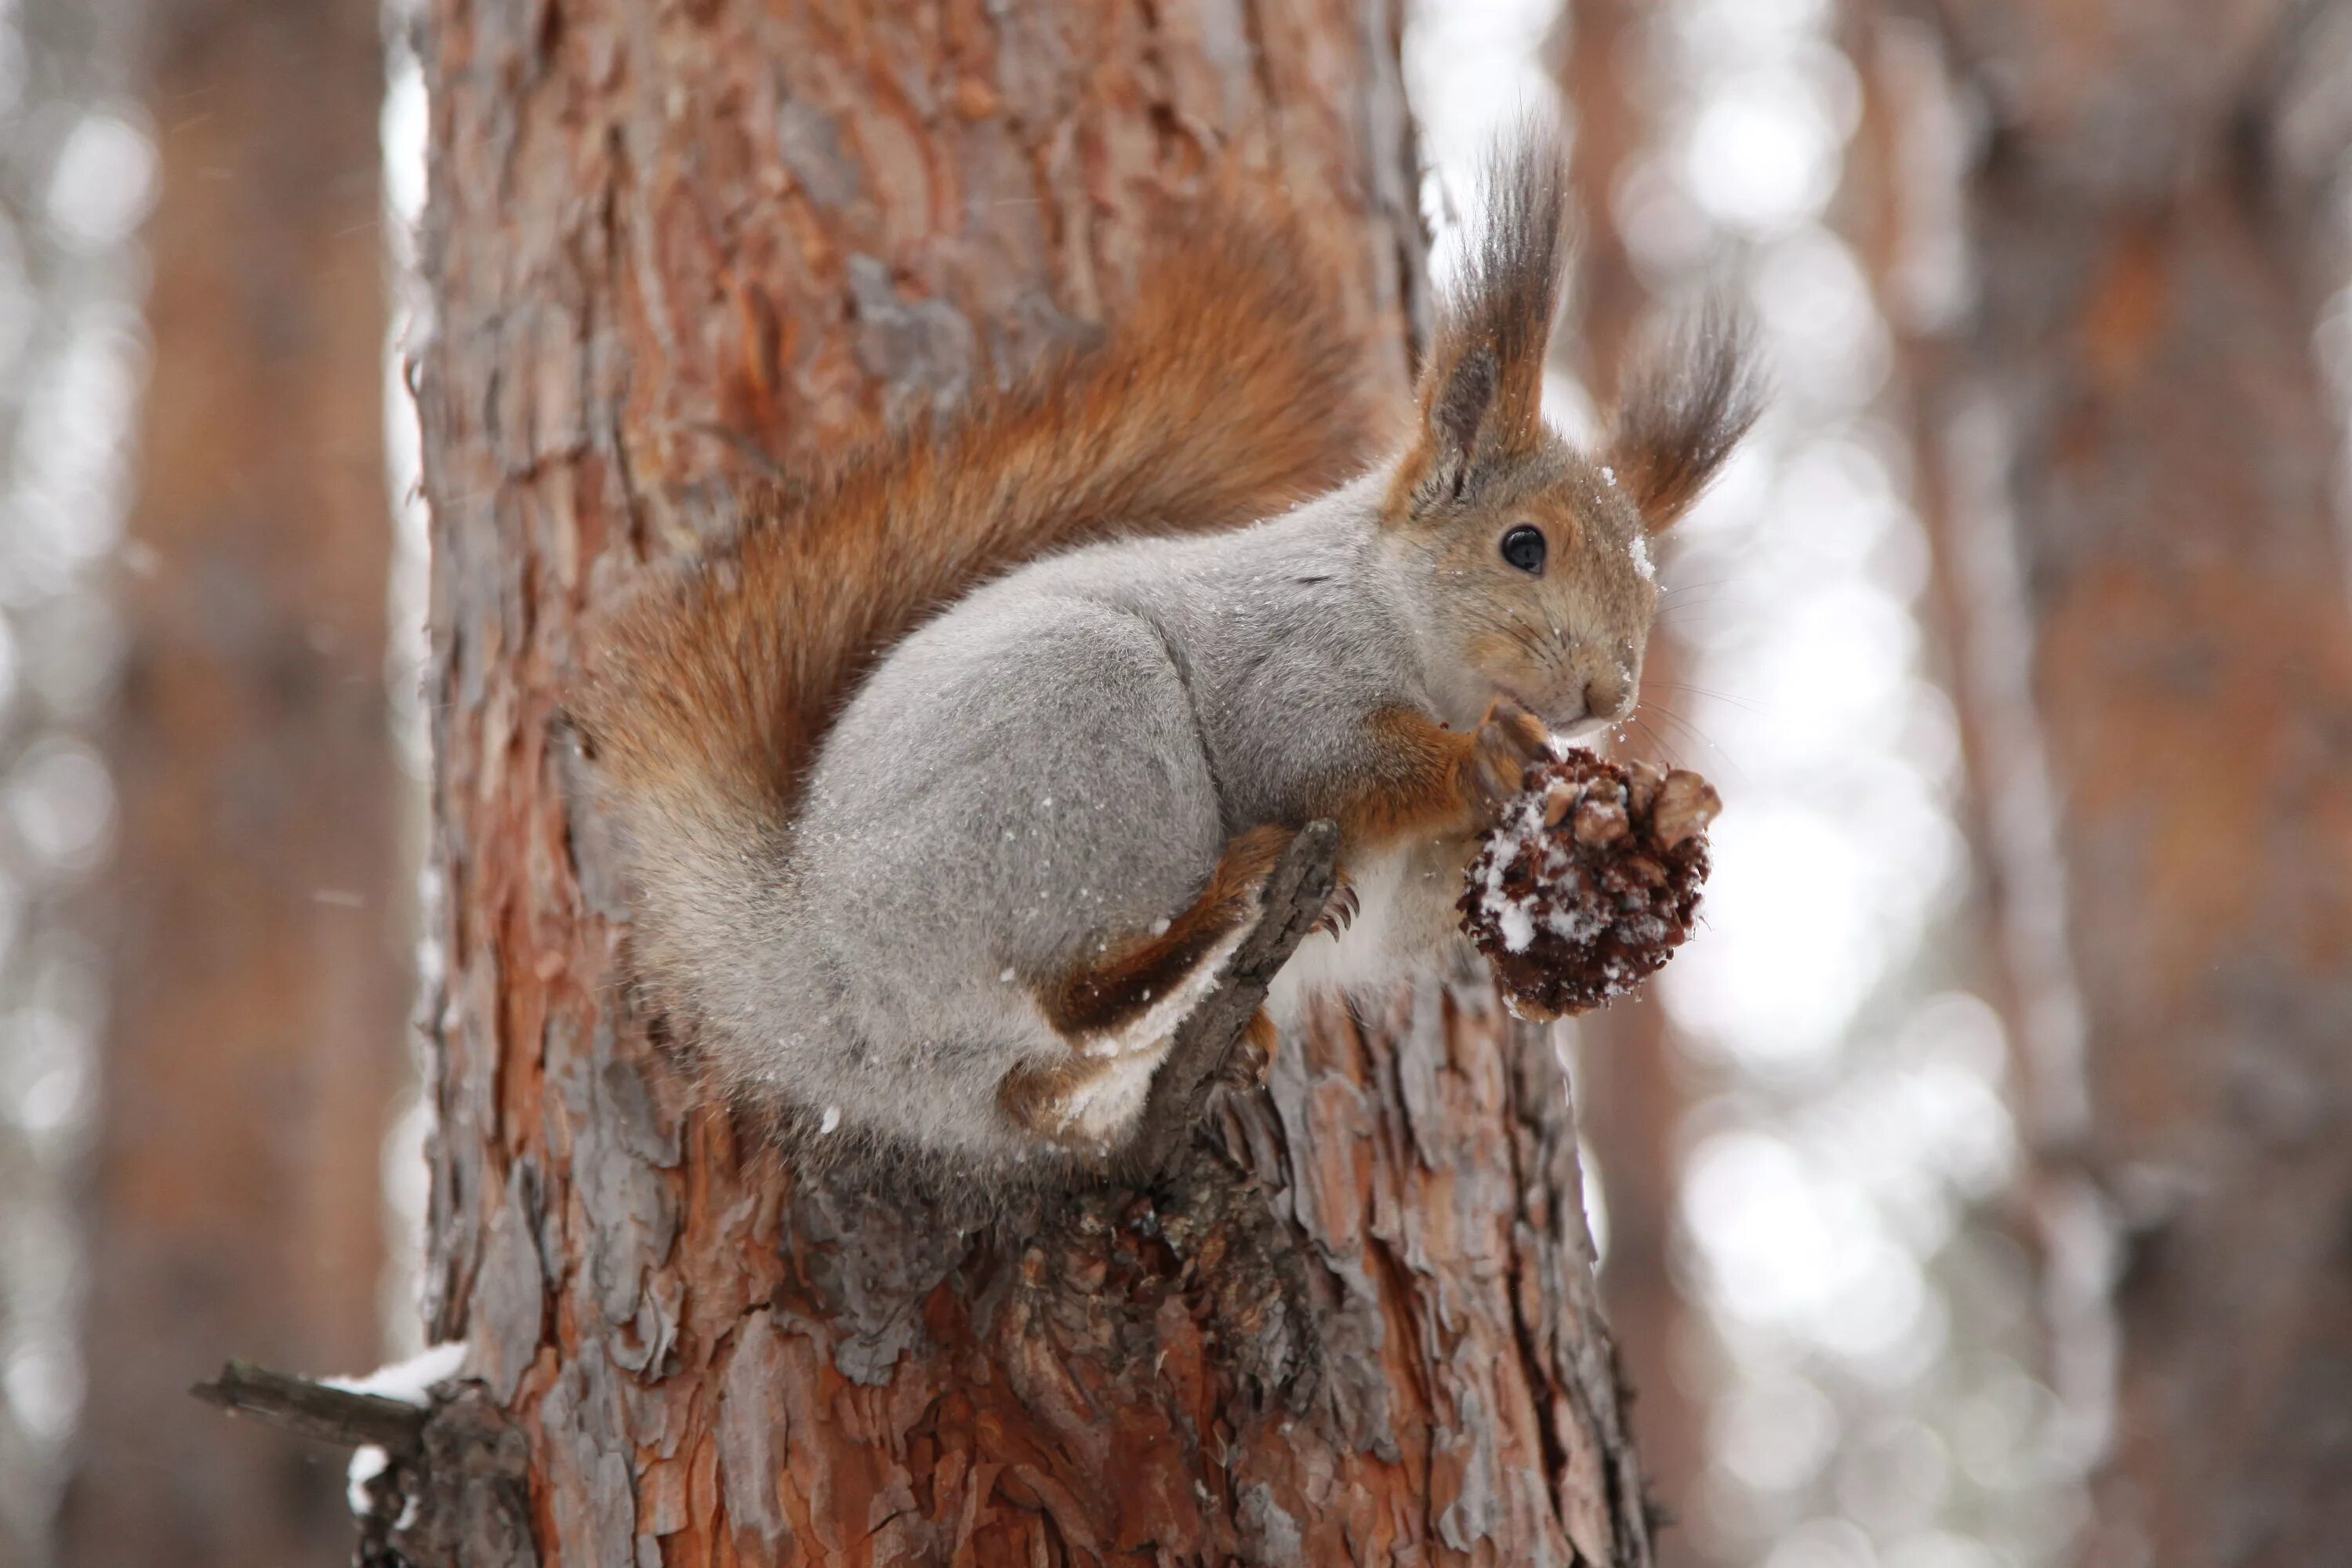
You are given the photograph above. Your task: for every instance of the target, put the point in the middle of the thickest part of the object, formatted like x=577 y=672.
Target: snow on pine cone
x=1590 y=882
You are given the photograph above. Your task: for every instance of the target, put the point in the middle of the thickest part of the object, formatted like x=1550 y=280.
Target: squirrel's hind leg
x=1118 y=1011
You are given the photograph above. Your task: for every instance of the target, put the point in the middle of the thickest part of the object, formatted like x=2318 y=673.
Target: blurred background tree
x=256 y=905
x=2135 y=461
x=72 y=358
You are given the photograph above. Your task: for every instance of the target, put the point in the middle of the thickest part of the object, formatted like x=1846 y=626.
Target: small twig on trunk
x=335 y=1416
x=1295 y=893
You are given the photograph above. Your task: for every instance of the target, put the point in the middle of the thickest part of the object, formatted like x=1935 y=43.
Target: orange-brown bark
x=2131 y=455
x=259 y=992
x=1363 y=1327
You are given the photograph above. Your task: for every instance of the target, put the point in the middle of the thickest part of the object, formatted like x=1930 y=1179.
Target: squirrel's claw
x=1507 y=743
x=1341 y=911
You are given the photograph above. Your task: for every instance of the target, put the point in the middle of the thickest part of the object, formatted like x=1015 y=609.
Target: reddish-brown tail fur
x=1231 y=390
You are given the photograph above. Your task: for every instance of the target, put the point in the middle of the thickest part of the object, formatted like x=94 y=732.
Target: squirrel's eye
x=1523 y=547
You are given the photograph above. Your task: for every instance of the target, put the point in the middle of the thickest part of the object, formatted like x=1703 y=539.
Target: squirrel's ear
x=1689 y=393
x=1481 y=392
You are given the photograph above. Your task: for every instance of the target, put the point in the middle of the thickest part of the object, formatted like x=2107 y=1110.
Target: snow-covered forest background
x=1861 y=1262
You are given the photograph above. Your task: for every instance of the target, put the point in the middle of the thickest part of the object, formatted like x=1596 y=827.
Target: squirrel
x=948 y=784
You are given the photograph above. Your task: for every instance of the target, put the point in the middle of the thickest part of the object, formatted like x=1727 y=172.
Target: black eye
x=1523 y=547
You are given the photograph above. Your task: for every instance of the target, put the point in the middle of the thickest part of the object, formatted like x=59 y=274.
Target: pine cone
x=1589 y=882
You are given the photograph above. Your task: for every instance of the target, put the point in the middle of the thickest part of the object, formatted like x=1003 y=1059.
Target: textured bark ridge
x=1353 y=1321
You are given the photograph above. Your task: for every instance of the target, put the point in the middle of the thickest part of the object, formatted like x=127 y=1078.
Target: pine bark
x=258 y=983
x=2128 y=454
x=666 y=248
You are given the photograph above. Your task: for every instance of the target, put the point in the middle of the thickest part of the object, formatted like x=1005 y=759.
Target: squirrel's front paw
x=1510 y=741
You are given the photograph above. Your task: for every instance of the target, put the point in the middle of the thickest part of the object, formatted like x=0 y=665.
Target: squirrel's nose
x=1609 y=697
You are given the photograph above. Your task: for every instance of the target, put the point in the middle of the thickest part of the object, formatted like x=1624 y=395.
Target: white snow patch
x=831 y=1119
x=411 y=1381
x=1514 y=918
x=1556 y=867
x=1517 y=925
x=368 y=1461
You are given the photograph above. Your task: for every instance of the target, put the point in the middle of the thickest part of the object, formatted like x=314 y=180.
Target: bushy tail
x=1231 y=390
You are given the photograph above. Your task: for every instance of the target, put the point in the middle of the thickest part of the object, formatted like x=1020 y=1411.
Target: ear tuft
x=1690 y=392
x=1482 y=389
x=1456 y=410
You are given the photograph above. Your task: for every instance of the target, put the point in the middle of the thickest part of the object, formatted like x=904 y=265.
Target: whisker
x=1680 y=727
x=1741 y=703
x=1700 y=735
x=1552 y=654
x=1678 y=605
x=1652 y=742
x=1688 y=615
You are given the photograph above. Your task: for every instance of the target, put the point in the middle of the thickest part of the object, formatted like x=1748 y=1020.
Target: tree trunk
x=1364 y=1331
x=258 y=976
x=2130 y=454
